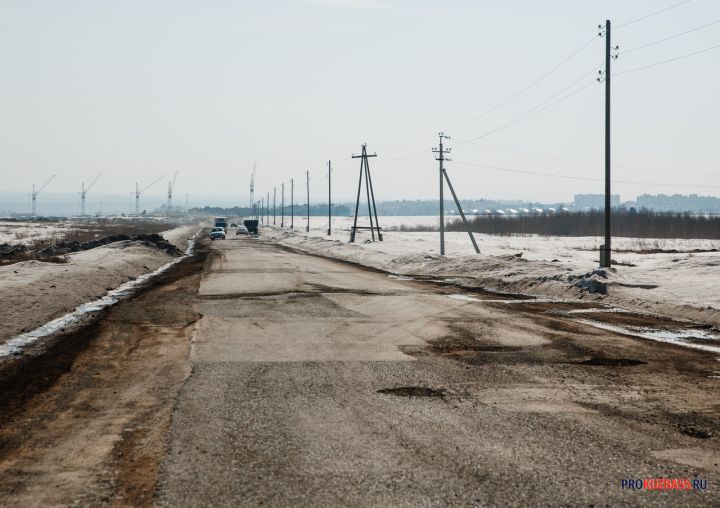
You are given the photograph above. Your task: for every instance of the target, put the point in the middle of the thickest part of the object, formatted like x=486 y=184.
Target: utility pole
x=274 y=208
x=267 y=209
x=329 y=198
x=282 y=206
x=292 y=204
x=441 y=151
x=307 y=180
x=606 y=249
x=372 y=209
x=262 y=209
x=441 y=157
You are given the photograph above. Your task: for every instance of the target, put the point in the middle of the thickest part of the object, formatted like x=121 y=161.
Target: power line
x=670 y=37
x=643 y=18
x=588 y=163
x=528 y=87
x=505 y=101
x=399 y=147
x=411 y=157
x=537 y=109
x=587 y=179
x=667 y=61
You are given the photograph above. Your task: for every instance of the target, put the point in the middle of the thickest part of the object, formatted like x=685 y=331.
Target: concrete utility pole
x=441 y=157
x=274 y=208
x=282 y=205
x=292 y=204
x=329 y=198
x=606 y=249
x=441 y=151
x=262 y=209
x=267 y=209
x=307 y=183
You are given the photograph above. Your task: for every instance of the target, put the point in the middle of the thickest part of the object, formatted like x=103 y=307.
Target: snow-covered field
x=682 y=284
x=27 y=232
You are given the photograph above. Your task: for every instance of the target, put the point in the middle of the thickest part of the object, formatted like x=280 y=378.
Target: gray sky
x=138 y=89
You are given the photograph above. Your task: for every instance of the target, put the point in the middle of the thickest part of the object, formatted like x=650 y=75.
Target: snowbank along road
x=259 y=375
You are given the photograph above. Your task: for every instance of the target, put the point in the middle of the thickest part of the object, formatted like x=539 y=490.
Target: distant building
x=595 y=200
x=679 y=203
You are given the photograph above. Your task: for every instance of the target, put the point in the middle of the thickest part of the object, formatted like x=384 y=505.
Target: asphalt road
x=318 y=383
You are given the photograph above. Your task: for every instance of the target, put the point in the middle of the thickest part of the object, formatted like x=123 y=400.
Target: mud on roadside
x=105 y=390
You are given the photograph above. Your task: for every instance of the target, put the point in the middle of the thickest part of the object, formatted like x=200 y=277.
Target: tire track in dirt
x=85 y=419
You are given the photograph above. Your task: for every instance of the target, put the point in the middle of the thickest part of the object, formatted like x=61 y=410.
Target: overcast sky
x=138 y=89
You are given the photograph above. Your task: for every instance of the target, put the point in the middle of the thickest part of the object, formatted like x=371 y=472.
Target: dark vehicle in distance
x=251 y=225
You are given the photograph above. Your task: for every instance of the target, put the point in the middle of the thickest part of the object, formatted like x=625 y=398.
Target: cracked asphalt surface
x=318 y=383
x=253 y=375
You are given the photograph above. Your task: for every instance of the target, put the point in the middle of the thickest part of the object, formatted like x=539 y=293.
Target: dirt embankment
x=34 y=292
x=87 y=413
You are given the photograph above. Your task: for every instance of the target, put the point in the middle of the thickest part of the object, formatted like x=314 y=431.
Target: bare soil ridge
x=34 y=292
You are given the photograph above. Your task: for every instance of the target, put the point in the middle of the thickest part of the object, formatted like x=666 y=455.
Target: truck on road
x=221 y=222
x=251 y=225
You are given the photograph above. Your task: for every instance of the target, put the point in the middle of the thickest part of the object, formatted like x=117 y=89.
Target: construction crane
x=171 y=185
x=139 y=191
x=252 y=185
x=84 y=192
x=35 y=195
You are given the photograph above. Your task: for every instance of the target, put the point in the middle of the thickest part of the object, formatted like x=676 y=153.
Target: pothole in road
x=696 y=432
x=600 y=361
x=413 y=391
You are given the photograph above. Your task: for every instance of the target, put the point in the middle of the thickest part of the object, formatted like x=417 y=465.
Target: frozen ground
x=34 y=292
x=27 y=232
x=681 y=284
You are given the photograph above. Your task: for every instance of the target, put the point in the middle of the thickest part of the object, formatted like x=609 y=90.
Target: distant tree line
x=625 y=222
x=430 y=206
x=244 y=211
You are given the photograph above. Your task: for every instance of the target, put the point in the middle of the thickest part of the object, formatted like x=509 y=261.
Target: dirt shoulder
x=35 y=292
x=92 y=430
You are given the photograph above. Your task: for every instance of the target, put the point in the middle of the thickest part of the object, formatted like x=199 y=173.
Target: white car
x=241 y=230
x=216 y=233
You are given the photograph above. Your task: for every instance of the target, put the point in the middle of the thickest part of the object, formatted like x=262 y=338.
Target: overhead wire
x=507 y=100
x=589 y=163
x=543 y=106
x=671 y=37
x=537 y=109
x=662 y=62
x=652 y=14
x=528 y=87
x=588 y=179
